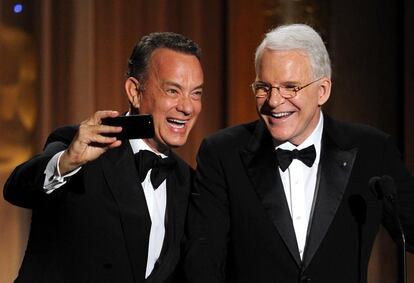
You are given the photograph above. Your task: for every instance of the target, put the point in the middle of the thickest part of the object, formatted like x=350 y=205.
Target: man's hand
x=89 y=142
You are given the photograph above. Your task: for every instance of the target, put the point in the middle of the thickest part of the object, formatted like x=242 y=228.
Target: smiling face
x=171 y=93
x=295 y=118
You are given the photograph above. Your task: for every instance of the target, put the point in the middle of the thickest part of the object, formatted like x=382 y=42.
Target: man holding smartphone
x=100 y=214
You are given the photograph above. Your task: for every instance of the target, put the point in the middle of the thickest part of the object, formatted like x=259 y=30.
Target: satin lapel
x=333 y=176
x=261 y=165
x=121 y=174
x=178 y=188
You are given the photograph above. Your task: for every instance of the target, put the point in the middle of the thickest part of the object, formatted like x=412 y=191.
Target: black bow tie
x=161 y=167
x=285 y=157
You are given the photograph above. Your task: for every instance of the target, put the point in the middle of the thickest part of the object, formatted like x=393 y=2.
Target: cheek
x=161 y=107
x=147 y=105
x=197 y=106
x=306 y=103
x=259 y=104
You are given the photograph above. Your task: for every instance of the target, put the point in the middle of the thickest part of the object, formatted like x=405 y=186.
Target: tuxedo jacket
x=239 y=224
x=96 y=227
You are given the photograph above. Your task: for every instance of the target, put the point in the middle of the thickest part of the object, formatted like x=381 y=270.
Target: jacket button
x=305 y=279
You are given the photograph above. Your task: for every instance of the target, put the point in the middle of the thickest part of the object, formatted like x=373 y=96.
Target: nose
x=185 y=105
x=274 y=98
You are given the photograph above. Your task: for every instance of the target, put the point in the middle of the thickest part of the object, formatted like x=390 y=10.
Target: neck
x=156 y=146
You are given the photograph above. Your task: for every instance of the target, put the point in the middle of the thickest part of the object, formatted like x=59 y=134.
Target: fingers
x=115 y=144
x=96 y=118
x=92 y=130
x=91 y=140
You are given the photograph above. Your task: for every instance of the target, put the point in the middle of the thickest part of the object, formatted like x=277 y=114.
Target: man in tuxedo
x=286 y=198
x=99 y=215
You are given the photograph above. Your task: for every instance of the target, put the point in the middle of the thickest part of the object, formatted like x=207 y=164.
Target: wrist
x=66 y=163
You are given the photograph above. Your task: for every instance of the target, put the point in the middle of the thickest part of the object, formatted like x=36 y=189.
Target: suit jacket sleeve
x=208 y=220
x=24 y=187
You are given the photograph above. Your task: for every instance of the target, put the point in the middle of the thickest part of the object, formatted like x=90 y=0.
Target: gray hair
x=298 y=37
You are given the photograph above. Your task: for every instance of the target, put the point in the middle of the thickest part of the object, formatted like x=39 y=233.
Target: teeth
x=177 y=126
x=281 y=114
x=177 y=123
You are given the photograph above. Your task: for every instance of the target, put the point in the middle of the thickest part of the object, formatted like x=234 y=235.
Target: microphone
x=384 y=190
x=358 y=207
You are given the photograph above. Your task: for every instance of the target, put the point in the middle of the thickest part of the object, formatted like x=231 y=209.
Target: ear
x=132 y=89
x=324 y=90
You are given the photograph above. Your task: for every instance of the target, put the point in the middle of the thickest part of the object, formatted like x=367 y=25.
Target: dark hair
x=138 y=62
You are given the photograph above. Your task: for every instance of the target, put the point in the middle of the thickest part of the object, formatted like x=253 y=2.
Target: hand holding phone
x=133 y=126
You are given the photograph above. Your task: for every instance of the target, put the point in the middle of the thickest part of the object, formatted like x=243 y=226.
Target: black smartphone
x=133 y=126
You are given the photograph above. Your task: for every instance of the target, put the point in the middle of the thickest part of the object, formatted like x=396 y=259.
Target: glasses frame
x=270 y=88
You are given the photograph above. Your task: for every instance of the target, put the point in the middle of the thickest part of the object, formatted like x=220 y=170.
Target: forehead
x=169 y=62
x=284 y=65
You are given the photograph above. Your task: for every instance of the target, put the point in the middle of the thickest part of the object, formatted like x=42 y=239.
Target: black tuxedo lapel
x=178 y=188
x=261 y=165
x=334 y=171
x=121 y=174
x=177 y=198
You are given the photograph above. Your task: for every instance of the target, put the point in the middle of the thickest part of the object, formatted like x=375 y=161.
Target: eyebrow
x=200 y=86
x=291 y=82
x=170 y=83
x=280 y=84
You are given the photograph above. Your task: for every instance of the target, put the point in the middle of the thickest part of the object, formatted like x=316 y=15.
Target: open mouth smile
x=281 y=114
x=177 y=123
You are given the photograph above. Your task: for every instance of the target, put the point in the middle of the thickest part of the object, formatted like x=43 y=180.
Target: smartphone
x=133 y=126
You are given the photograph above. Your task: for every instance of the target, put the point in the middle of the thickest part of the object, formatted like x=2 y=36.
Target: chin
x=175 y=142
x=281 y=137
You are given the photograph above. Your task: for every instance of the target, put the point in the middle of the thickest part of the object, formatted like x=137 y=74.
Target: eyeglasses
x=264 y=90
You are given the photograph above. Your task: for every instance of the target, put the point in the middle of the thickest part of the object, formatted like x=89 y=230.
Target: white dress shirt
x=156 y=203
x=299 y=182
x=156 y=200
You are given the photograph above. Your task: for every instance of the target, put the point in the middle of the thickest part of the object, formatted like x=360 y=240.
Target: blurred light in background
x=18 y=8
